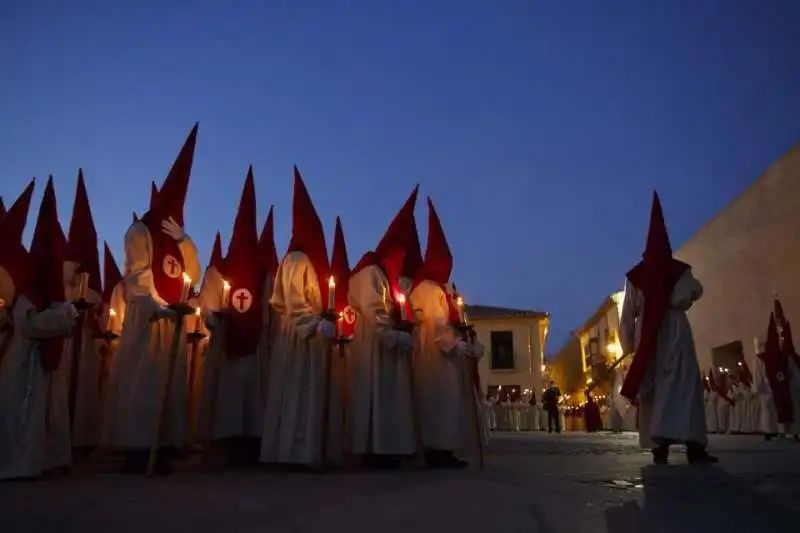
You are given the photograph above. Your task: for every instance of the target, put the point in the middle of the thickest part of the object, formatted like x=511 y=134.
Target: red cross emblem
x=171 y=267
x=241 y=300
x=347 y=322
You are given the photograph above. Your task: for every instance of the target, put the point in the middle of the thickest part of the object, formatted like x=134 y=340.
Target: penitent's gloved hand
x=163 y=313
x=173 y=229
x=404 y=341
x=326 y=329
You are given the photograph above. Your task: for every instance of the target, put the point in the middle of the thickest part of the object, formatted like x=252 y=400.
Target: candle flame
x=111 y=312
x=226 y=285
x=401 y=298
x=197 y=311
x=331 y=282
x=186 y=278
x=460 y=301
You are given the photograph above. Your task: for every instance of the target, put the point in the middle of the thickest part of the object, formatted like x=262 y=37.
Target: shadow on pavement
x=687 y=498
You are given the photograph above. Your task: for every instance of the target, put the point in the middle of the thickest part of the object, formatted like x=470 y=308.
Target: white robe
x=239 y=407
x=444 y=394
x=724 y=409
x=768 y=416
x=139 y=369
x=86 y=427
x=293 y=418
x=618 y=404
x=671 y=394
x=379 y=411
x=710 y=404
x=33 y=440
x=111 y=322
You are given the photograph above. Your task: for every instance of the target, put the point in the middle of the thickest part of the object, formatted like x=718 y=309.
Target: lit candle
x=331 y=293
x=340 y=325
x=460 y=305
x=198 y=323
x=84 y=285
x=187 y=282
x=112 y=316
x=401 y=301
x=226 y=292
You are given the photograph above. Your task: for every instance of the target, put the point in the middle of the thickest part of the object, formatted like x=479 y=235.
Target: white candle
x=401 y=300
x=331 y=293
x=198 y=323
x=340 y=325
x=226 y=293
x=460 y=305
x=187 y=282
x=84 y=285
x=112 y=316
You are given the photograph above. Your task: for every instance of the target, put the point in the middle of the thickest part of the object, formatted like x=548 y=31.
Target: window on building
x=502 y=347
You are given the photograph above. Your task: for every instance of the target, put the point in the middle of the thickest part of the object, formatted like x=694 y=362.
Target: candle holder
x=328 y=315
x=81 y=304
x=466 y=331
x=342 y=341
x=195 y=336
x=181 y=309
x=404 y=325
x=107 y=336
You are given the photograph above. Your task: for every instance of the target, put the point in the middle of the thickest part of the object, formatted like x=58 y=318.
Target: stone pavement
x=533 y=483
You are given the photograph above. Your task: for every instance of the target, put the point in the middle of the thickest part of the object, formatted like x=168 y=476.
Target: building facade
x=566 y=368
x=748 y=252
x=514 y=340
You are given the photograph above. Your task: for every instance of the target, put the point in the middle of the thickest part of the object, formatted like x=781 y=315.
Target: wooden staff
x=77 y=345
x=181 y=310
x=344 y=397
x=326 y=411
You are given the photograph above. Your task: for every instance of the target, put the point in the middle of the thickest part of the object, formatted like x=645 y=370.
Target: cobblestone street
x=531 y=483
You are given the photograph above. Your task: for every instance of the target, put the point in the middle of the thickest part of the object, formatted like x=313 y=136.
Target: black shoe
x=661 y=455
x=444 y=460
x=386 y=462
x=700 y=457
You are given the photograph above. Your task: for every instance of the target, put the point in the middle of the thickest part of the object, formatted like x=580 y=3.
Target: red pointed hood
x=745 y=376
x=216 y=252
x=266 y=244
x=244 y=238
x=438 y=263
x=82 y=239
x=393 y=246
x=13 y=255
x=111 y=273
x=243 y=270
x=170 y=200
x=340 y=268
x=655 y=276
x=46 y=282
x=773 y=343
x=413 y=259
x=308 y=236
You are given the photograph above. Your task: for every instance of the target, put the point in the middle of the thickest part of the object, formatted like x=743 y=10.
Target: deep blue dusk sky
x=539 y=128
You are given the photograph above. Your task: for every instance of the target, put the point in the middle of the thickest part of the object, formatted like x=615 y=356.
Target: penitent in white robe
x=618 y=404
x=86 y=427
x=139 y=369
x=444 y=394
x=34 y=437
x=724 y=409
x=380 y=413
x=293 y=418
x=710 y=404
x=671 y=394
x=239 y=406
x=111 y=322
x=767 y=416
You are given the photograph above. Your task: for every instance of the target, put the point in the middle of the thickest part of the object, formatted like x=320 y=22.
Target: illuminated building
x=744 y=254
x=514 y=340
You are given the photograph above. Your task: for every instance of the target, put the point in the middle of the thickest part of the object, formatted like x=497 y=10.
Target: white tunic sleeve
x=297 y=295
x=370 y=293
x=46 y=324
x=138 y=277
x=190 y=263
x=629 y=318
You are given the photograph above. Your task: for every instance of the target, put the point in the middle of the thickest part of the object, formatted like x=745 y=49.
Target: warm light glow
x=588 y=381
x=544 y=368
x=186 y=278
x=111 y=312
x=331 y=283
x=460 y=301
x=739 y=363
x=401 y=298
x=612 y=348
x=226 y=285
x=197 y=311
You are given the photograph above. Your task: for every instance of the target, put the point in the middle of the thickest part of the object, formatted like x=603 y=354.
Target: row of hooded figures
x=302 y=363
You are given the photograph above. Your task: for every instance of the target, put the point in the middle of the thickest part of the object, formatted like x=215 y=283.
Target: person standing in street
x=550 y=403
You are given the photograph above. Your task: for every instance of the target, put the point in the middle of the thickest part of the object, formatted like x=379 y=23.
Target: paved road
x=533 y=483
